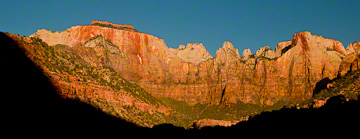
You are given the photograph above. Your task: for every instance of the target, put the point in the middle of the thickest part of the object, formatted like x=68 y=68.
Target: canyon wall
x=190 y=74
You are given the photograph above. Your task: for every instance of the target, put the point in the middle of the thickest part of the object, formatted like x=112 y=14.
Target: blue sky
x=247 y=24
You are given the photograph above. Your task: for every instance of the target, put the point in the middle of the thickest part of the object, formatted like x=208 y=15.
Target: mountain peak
x=228 y=49
x=193 y=53
x=306 y=40
x=228 y=45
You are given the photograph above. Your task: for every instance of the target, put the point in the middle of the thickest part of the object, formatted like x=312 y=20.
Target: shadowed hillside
x=337 y=113
x=35 y=105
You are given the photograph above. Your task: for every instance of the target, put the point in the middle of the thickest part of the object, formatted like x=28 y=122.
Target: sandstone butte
x=192 y=75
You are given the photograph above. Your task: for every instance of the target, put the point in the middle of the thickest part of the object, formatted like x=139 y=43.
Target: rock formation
x=282 y=47
x=211 y=122
x=192 y=53
x=246 y=54
x=135 y=76
x=353 y=48
x=265 y=52
x=190 y=74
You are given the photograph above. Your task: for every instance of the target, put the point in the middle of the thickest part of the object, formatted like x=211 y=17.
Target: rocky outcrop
x=282 y=47
x=246 y=54
x=112 y=24
x=211 y=122
x=265 y=52
x=350 y=62
x=353 y=48
x=229 y=49
x=190 y=74
x=192 y=53
x=319 y=103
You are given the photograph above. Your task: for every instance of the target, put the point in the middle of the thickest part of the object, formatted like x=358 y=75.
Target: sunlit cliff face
x=137 y=72
x=190 y=74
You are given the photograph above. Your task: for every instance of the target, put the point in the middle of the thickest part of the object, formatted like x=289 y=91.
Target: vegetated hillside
x=33 y=103
x=348 y=87
x=99 y=86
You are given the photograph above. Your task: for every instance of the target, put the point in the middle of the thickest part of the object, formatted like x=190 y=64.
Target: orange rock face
x=288 y=73
x=353 y=48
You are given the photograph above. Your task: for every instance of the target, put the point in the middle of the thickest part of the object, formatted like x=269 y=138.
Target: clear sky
x=247 y=24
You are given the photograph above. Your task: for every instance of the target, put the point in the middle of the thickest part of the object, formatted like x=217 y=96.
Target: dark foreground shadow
x=336 y=114
x=322 y=84
x=33 y=105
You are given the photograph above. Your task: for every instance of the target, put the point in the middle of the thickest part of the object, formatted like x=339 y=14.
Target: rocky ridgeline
x=112 y=24
x=192 y=75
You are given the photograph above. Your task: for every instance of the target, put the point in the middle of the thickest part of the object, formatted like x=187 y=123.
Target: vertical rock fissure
x=323 y=72
x=222 y=95
x=290 y=80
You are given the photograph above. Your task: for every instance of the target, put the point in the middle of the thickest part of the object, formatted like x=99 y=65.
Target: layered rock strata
x=190 y=74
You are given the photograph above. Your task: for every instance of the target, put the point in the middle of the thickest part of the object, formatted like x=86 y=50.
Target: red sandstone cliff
x=288 y=73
